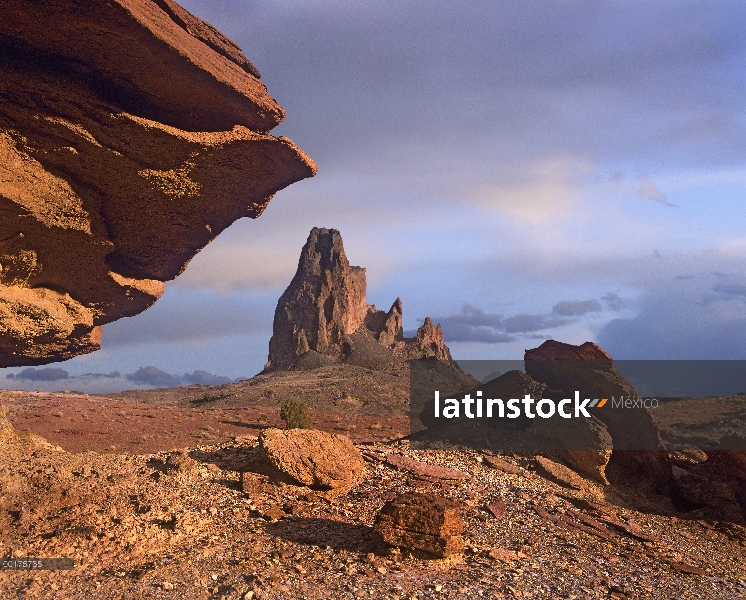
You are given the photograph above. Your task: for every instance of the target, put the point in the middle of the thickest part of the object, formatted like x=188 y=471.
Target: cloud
x=112 y=375
x=613 y=301
x=534 y=191
x=187 y=315
x=47 y=374
x=576 y=308
x=681 y=319
x=472 y=324
x=527 y=323
x=730 y=289
x=533 y=78
x=155 y=377
x=651 y=191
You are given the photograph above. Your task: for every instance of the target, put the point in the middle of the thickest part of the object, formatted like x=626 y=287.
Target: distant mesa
x=153 y=376
x=132 y=133
x=323 y=317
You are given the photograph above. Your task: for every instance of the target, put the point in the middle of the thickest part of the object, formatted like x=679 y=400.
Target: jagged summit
x=323 y=316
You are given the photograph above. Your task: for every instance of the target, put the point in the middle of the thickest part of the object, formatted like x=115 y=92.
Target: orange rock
x=122 y=153
x=424 y=522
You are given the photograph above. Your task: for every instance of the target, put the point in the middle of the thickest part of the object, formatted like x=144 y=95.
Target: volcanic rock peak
x=324 y=310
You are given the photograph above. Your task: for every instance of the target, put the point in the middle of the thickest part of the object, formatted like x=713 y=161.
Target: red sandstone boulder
x=313 y=458
x=132 y=133
x=638 y=459
x=422 y=522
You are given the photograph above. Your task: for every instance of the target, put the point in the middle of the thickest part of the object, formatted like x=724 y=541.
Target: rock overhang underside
x=132 y=133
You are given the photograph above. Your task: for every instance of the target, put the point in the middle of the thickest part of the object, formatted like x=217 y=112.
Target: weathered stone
x=324 y=310
x=274 y=513
x=497 y=509
x=686 y=568
x=584 y=443
x=501 y=465
x=251 y=483
x=427 y=343
x=589 y=370
x=629 y=528
x=313 y=458
x=421 y=469
x=422 y=522
x=559 y=473
x=503 y=555
x=638 y=458
x=131 y=134
x=717 y=485
x=181 y=462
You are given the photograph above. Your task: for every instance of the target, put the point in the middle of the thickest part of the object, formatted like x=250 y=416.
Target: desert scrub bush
x=295 y=414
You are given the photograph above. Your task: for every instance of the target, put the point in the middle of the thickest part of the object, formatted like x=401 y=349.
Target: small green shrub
x=295 y=414
x=262 y=418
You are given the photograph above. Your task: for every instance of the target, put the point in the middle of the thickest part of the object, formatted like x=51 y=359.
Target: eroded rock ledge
x=131 y=134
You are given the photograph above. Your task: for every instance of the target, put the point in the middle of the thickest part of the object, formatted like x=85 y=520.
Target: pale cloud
x=649 y=190
x=228 y=267
x=535 y=192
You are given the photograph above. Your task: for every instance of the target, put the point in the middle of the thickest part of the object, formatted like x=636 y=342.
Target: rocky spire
x=324 y=302
x=324 y=310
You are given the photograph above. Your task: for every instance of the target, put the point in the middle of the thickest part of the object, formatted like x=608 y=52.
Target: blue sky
x=515 y=170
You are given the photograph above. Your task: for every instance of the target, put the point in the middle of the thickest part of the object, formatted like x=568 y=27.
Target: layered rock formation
x=131 y=134
x=324 y=315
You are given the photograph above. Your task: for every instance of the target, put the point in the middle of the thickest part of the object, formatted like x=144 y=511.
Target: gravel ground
x=178 y=525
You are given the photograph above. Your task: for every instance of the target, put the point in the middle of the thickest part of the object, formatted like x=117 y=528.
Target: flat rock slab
x=503 y=554
x=313 y=458
x=421 y=469
x=497 y=509
x=424 y=522
x=560 y=474
x=501 y=465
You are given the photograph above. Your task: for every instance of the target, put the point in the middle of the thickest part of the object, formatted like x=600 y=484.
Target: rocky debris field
x=209 y=521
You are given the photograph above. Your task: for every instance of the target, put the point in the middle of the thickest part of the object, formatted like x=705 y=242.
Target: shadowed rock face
x=324 y=313
x=131 y=134
x=639 y=458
